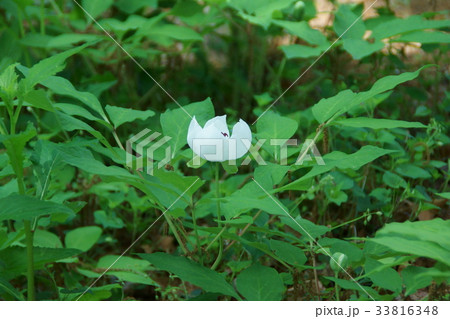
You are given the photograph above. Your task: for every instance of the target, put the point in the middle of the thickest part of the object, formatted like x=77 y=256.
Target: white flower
x=214 y=143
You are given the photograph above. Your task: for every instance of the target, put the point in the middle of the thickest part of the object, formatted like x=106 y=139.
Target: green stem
x=197 y=237
x=15 y=116
x=30 y=262
x=218 y=191
x=175 y=233
x=351 y=221
x=29 y=244
x=219 y=217
x=215 y=238
x=336 y=286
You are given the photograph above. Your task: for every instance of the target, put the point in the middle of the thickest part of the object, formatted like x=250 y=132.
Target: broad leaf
x=46 y=68
x=346 y=100
x=422 y=238
x=13 y=260
x=96 y=7
x=124 y=268
x=377 y=123
x=39 y=99
x=272 y=126
x=22 y=207
x=287 y=252
x=365 y=155
x=175 y=123
x=412 y=23
x=190 y=271
x=386 y=278
x=260 y=283
x=15 y=145
x=83 y=238
x=347 y=24
x=120 y=115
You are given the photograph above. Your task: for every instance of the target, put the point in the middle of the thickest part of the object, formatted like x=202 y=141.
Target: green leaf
x=424 y=37
x=47 y=67
x=120 y=115
x=131 y=6
x=132 y=277
x=435 y=230
x=353 y=253
x=14 y=147
x=347 y=21
x=62 y=86
x=13 y=260
x=303 y=31
x=260 y=12
x=43 y=238
x=251 y=196
x=287 y=252
x=360 y=48
x=70 y=123
x=412 y=171
x=190 y=271
x=123 y=263
x=386 y=278
x=66 y=40
x=272 y=126
x=346 y=100
x=422 y=238
x=305 y=227
x=124 y=268
x=365 y=155
x=96 y=7
x=81 y=157
x=175 y=123
x=229 y=168
x=39 y=99
x=378 y=123
x=93 y=294
x=6 y=287
x=260 y=283
x=415 y=278
x=270 y=174
x=393 y=180
x=351 y=285
x=83 y=238
x=22 y=207
x=412 y=23
x=8 y=83
x=77 y=110
x=176 y=32
x=295 y=51
x=444 y=195
x=108 y=220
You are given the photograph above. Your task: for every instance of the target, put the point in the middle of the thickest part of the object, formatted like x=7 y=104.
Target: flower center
x=224 y=134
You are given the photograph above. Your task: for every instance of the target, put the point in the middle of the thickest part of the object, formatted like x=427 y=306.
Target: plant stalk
x=197 y=237
x=29 y=243
x=176 y=234
x=219 y=217
x=30 y=261
x=336 y=286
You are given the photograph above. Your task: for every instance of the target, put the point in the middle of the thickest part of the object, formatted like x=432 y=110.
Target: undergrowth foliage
x=370 y=222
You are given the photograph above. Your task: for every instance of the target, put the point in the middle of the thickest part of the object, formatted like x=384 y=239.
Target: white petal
x=211 y=131
x=211 y=149
x=243 y=136
x=220 y=123
x=208 y=142
x=193 y=131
